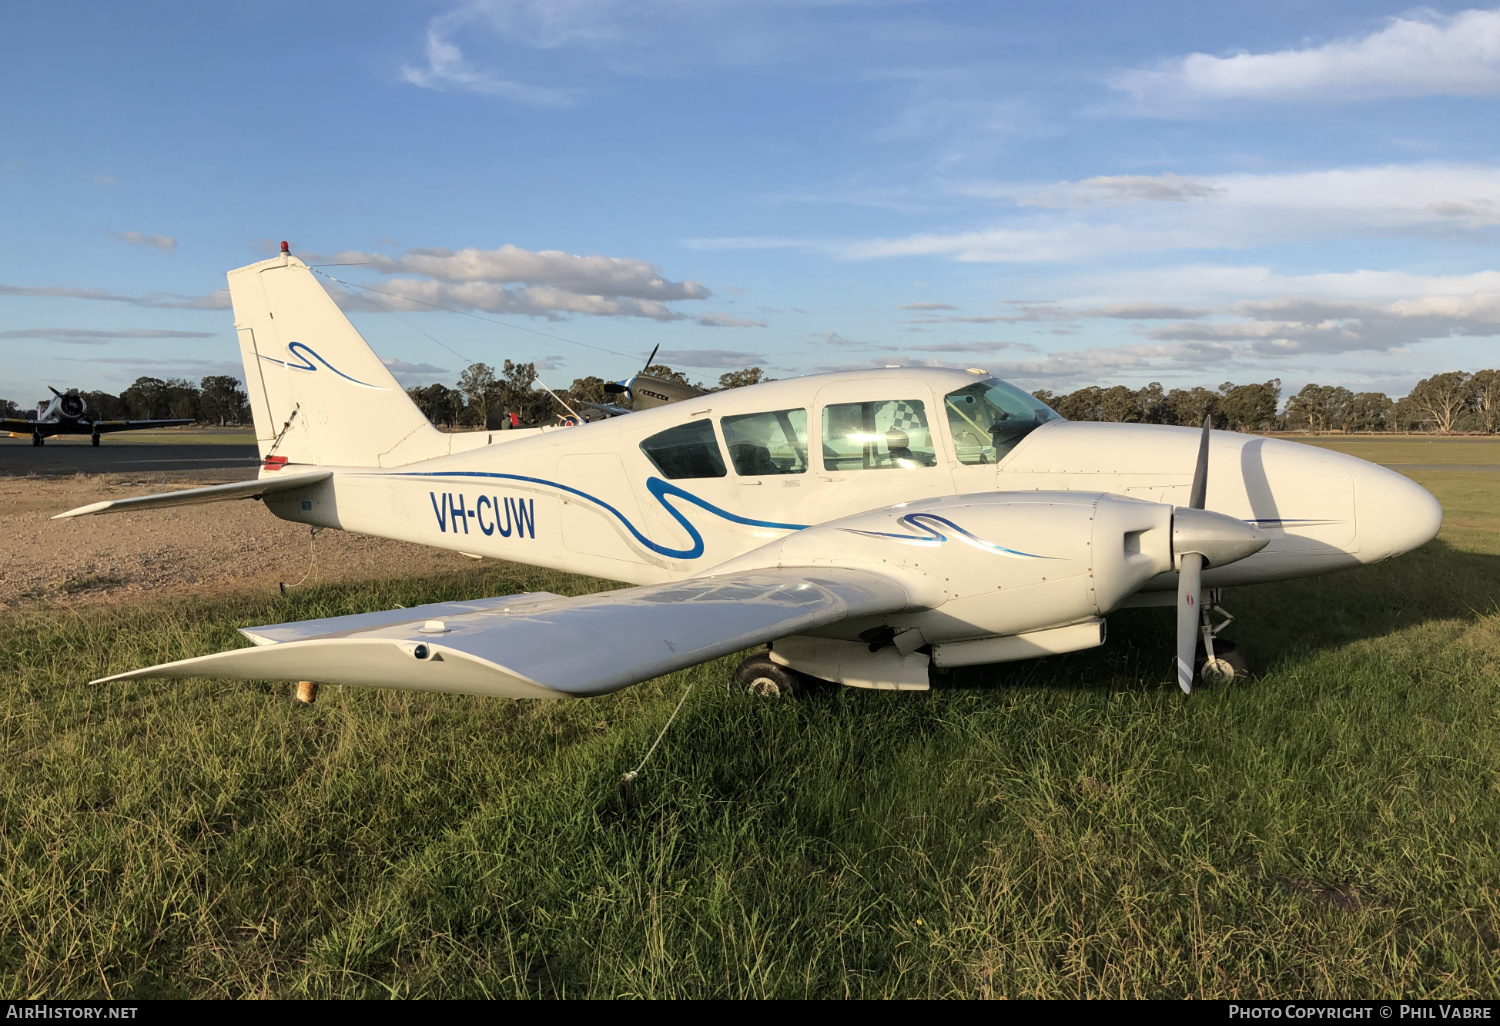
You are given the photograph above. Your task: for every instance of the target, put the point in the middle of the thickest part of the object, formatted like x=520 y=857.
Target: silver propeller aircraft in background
x=867 y=525
x=68 y=415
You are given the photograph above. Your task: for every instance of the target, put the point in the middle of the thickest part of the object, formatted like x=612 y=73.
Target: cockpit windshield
x=989 y=417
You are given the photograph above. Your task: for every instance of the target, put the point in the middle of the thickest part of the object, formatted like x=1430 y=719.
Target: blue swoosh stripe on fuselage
x=656 y=486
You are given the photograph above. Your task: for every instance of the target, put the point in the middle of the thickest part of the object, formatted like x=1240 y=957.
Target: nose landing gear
x=1219 y=660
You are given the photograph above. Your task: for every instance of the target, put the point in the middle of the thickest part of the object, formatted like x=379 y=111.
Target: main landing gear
x=36 y=439
x=1219 y=660
x=758 y=676
x=94 y=440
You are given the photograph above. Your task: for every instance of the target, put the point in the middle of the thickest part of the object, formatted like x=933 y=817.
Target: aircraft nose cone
x=1394 y=514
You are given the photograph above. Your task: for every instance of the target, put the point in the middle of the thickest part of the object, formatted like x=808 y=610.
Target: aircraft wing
x=212 y=493
x=17 y=425
x=106 y=426
x=539 y=646
x=616 y=411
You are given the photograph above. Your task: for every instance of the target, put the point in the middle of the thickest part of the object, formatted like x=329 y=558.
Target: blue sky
x=1062 y=193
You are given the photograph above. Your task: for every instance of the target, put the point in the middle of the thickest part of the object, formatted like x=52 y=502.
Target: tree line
x=1455 y=401
x=216 y=399
x=484 y=399
x=1444 y=403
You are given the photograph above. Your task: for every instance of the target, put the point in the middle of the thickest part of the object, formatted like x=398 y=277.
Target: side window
x=890 y=434
x=686 y=451
x=989 y=417
x=761 y=444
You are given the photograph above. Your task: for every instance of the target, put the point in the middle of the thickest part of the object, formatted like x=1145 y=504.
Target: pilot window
x=761 y=444
x=686 y=451
x=989 y=417
x=889 y=434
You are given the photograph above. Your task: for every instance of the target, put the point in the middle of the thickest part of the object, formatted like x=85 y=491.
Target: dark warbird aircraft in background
x=68 y=415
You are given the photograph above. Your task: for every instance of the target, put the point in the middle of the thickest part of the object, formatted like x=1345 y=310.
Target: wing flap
x=212 y=493
x=589 y=645
x=359 y=623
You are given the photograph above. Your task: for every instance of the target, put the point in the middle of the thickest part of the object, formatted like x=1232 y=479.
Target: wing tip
x=93 y=507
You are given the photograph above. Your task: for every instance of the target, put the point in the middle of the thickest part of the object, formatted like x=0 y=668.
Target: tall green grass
x=1068 y=827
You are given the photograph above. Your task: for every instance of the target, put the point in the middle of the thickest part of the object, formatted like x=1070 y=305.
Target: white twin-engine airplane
x=869 y=525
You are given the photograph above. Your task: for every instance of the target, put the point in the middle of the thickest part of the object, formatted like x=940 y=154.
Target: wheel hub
x=1217 y=670
x=765 y=687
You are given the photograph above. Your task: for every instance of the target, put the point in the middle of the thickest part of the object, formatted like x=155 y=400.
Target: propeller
x=1190 y=574
x=72 y=405
x=618 y=387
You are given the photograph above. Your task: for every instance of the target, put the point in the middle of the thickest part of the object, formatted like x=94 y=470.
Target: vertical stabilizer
x=318 y=392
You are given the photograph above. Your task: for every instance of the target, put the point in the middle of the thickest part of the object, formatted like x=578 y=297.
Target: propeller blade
x=1189 y=592
x=54 y=391
x=647 y=364
x=1200 y=472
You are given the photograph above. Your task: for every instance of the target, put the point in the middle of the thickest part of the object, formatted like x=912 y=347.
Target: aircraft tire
x=36 y=441
x=94 y=441
x=1229 y=667
x=761 y=678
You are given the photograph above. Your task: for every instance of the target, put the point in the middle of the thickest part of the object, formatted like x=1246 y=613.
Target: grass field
x=1069 y=827
x=1419 y=449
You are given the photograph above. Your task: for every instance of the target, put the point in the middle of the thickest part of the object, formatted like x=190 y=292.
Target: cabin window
x=989 y=417
x=888 y=434
x=686 y=451
x=761 y=444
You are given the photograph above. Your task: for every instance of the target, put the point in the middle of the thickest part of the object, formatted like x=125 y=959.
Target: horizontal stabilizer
x=213 y=493
x=536 y=647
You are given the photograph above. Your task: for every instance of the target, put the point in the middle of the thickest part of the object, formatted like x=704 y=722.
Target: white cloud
x=217 y=300
x=1112 y=216
x=546 y=283
x=94 y=336
x=715 y=359
x=447 y=69
x=106 y=180
x=165 y=243
x=1260 y=332
x=599 y=275
x=971 y=347
x=403 y=367
x=1422 y=54
x=724 y=320
x=1220 y=285
x=161 y=368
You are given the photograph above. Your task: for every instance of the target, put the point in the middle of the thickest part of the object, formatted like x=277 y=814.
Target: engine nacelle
x=992 y=563
x=73 y=405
